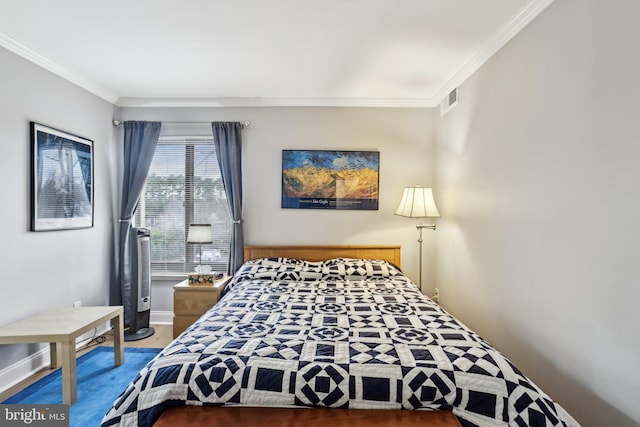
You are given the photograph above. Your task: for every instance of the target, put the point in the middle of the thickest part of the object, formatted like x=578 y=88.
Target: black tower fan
x=140 y=310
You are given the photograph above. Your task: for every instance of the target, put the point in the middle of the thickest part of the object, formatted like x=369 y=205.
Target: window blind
x=184 y=186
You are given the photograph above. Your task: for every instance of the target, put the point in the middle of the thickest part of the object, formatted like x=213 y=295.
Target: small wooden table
x=60 y=328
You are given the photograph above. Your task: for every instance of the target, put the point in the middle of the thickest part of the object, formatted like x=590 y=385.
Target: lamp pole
x=420 y=227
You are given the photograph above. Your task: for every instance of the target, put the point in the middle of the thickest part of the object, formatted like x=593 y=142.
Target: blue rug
x=99 y=383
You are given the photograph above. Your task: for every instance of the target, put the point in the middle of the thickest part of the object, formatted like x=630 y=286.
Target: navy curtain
x=227 y=137
x=140 y=140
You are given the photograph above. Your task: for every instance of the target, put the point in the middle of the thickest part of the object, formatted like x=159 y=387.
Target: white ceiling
x=264 y=52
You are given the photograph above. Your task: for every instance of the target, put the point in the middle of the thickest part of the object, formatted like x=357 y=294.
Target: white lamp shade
x=199 y=233
x=417 y=202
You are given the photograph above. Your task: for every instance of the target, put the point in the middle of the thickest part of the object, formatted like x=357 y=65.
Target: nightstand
x=190 y=302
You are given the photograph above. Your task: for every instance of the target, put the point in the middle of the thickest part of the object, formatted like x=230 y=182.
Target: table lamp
x=199 y=234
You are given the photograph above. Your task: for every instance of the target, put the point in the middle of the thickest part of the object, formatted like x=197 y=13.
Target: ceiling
x=404 y=53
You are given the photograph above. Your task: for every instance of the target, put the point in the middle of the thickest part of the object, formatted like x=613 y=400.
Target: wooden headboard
x=390 y=253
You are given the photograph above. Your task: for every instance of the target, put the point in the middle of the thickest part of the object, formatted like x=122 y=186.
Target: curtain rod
x=245 y=123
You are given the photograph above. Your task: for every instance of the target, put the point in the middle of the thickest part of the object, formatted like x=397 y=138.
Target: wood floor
x=163 y=335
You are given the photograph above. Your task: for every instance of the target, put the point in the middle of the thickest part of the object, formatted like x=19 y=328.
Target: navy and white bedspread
x=342 y=334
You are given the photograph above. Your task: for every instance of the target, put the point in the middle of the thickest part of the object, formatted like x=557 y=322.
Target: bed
x=317 y=335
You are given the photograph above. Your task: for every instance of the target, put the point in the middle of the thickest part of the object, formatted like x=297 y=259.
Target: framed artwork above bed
x=329 y=179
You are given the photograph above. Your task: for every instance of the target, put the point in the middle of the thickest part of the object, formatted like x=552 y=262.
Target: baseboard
x=20 y=371
x=161 y=317
x=23 y=369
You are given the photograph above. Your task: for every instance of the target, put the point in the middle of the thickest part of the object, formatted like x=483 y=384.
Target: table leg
x=53 y=355
x=69 y=382
x=118 y=339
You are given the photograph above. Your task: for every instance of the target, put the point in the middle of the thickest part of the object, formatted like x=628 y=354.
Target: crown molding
x=508 y=31
x=73 y=77
x=273 y=102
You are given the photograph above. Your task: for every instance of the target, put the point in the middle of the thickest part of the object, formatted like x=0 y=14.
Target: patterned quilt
x=342 y=334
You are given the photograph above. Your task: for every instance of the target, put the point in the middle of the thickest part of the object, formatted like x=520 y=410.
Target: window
x=184 y=186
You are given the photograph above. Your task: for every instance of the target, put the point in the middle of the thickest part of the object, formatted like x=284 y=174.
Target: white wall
x=404 y=138
x=48 y=270
x=538 y=176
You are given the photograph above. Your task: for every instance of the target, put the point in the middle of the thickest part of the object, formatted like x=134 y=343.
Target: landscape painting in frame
x=323 y=179
x=61 y=180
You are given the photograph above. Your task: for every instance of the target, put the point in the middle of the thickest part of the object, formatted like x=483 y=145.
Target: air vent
x=450 y=101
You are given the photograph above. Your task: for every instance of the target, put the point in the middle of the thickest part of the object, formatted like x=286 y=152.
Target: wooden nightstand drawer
x=191 y=302
x=194 y=302
x=182 y=322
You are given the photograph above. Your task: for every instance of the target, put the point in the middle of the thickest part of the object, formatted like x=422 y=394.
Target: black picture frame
x=330 y=179
x=61 y=180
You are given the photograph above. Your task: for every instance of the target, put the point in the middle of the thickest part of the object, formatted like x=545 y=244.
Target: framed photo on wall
x=61 y=180
x=329 y=179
